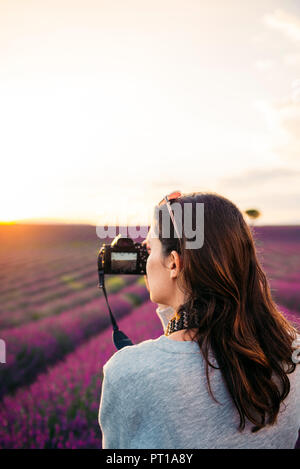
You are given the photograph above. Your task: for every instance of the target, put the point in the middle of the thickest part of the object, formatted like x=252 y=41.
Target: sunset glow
x=108 y=106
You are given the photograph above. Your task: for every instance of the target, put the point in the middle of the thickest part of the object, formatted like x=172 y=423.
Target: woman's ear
x=174 y=264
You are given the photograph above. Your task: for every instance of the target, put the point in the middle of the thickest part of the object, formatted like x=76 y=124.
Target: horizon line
x=70 y=223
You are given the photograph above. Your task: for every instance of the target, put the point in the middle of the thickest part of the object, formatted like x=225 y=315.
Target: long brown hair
x=228 y=298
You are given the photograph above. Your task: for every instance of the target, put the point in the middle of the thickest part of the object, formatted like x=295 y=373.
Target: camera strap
x=119 y=338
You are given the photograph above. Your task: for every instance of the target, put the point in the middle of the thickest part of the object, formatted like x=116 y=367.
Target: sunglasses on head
x=166 y=200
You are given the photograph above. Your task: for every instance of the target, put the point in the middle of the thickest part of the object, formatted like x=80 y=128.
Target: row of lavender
x=280 y=258
x=56 y=302
x=43 y=277
x=41 y=289
x=60 y=410
x=66 y=291
x=21 y=269
x=55 y=278
x=32 y=347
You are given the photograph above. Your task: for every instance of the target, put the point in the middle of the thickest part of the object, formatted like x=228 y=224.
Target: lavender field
x=55 y=323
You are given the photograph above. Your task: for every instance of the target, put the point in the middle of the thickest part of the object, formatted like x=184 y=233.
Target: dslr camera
x=122 y=256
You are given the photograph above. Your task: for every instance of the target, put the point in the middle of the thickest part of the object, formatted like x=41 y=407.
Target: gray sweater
x=154 y=396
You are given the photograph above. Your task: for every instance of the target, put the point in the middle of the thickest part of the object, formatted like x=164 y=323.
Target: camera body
x=123 y=256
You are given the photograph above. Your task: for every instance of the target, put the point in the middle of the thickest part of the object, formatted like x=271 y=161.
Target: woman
x=225 y=374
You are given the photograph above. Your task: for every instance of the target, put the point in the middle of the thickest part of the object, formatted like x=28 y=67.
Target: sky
x=106 y=106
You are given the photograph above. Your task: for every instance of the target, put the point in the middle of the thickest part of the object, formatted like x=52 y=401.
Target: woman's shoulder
x=130 y=357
